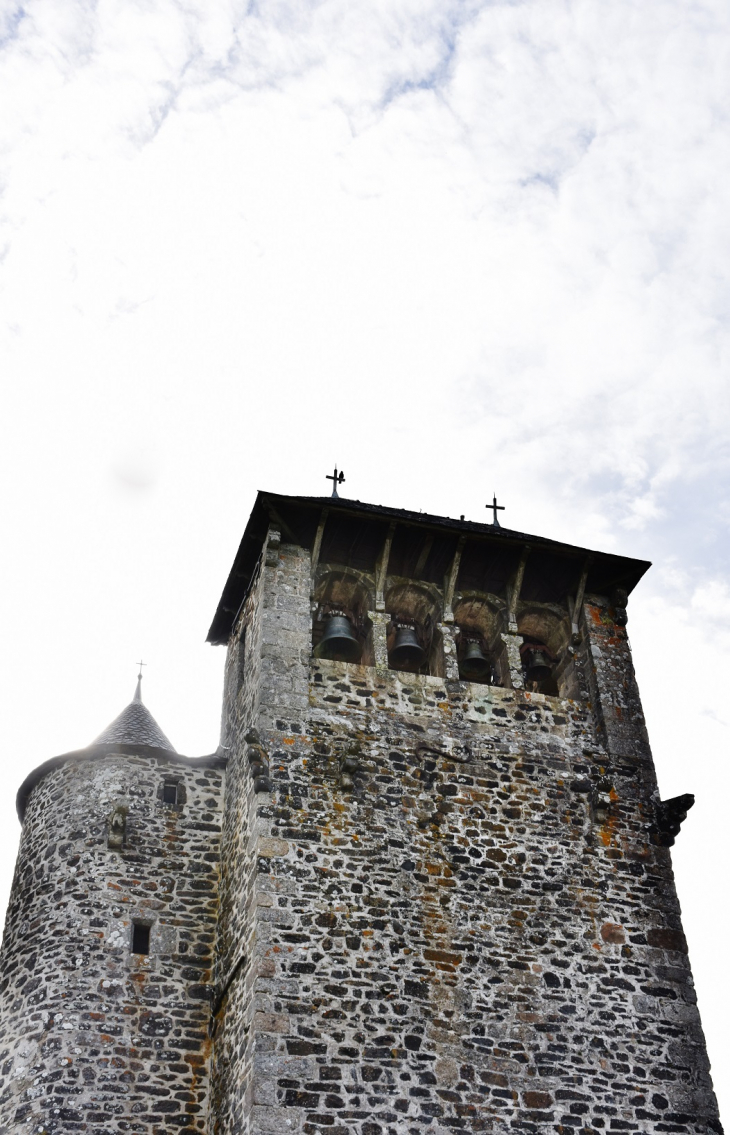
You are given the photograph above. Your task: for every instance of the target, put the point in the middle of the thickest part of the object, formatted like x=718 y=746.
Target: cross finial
x=336 y=479
x=138 y=691
x=494 y=507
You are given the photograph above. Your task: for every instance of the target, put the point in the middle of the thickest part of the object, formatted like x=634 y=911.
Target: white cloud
x=711 y=601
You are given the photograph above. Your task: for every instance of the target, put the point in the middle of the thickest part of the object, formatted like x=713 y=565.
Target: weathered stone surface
x=93 y=1037
x=462 y=938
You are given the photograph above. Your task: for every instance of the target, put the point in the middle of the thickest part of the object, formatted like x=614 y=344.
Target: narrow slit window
x=140 y=938
x=241 y=676
x=169 y=792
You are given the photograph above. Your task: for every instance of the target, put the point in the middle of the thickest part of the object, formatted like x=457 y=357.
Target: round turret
x=106 y=960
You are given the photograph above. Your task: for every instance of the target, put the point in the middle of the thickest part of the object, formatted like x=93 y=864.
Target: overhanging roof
x=355 y=532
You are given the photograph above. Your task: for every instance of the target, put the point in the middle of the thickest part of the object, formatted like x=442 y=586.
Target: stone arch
x=482 y=613
x=546 y=627
x=351 y=593
x=478 y=619
x=418 y=605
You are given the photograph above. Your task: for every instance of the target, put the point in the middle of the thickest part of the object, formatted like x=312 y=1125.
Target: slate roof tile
x=135 y=725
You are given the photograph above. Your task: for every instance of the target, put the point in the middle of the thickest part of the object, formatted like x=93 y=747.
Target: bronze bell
x=537 y=667
x=407 y=652
x=339 y=642
x=474 y=666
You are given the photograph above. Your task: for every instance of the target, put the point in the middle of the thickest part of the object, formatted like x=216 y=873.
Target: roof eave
x=255 y=533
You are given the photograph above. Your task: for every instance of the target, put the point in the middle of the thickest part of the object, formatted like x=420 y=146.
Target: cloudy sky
x=457 y=248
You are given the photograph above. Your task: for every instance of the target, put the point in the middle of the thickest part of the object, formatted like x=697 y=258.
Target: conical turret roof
x=135 y=726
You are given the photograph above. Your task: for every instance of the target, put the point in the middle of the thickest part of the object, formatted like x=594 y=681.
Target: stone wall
x=612 y=683
x=93 y=1037
x=443 y=907
x=270 y=630
x=456 y=916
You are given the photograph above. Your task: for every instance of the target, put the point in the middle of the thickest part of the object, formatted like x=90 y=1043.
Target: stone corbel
x=619 y=599
x=670 y=815
x=352 y=772
x=602 y=797
x=117 y=828
x=258 y=762
x=273 y=544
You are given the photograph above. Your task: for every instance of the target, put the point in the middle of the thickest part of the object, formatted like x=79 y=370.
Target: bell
x=537 y=668
x=407 y=652
x=339 y=642
x=474 y=667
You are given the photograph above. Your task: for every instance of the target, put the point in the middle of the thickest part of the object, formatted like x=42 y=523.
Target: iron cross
x=494 y=507
x=141 y=664
x=336 y=480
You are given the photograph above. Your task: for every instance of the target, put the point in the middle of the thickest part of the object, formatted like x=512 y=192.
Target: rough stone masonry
x=395 y=901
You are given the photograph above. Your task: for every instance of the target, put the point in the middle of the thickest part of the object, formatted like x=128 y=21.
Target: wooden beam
x=381 y=569
x=514 y=588
x=425 y=550
x=318 y=541
x=577 y=603
x=450 y=581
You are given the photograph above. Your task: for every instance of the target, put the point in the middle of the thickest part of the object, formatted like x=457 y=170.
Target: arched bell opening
x=476 y=663
x=478 y=645
x=408 y=646
x=341 y=629
x=538 y=666
x=413 y=641
x=545 y=635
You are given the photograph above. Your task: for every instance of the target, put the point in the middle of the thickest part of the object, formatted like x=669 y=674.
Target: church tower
x=447 y=900
x=109 y=937
x=424 y=885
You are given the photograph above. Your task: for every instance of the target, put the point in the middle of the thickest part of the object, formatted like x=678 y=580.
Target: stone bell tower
x=447 y=900
x=423 y=887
